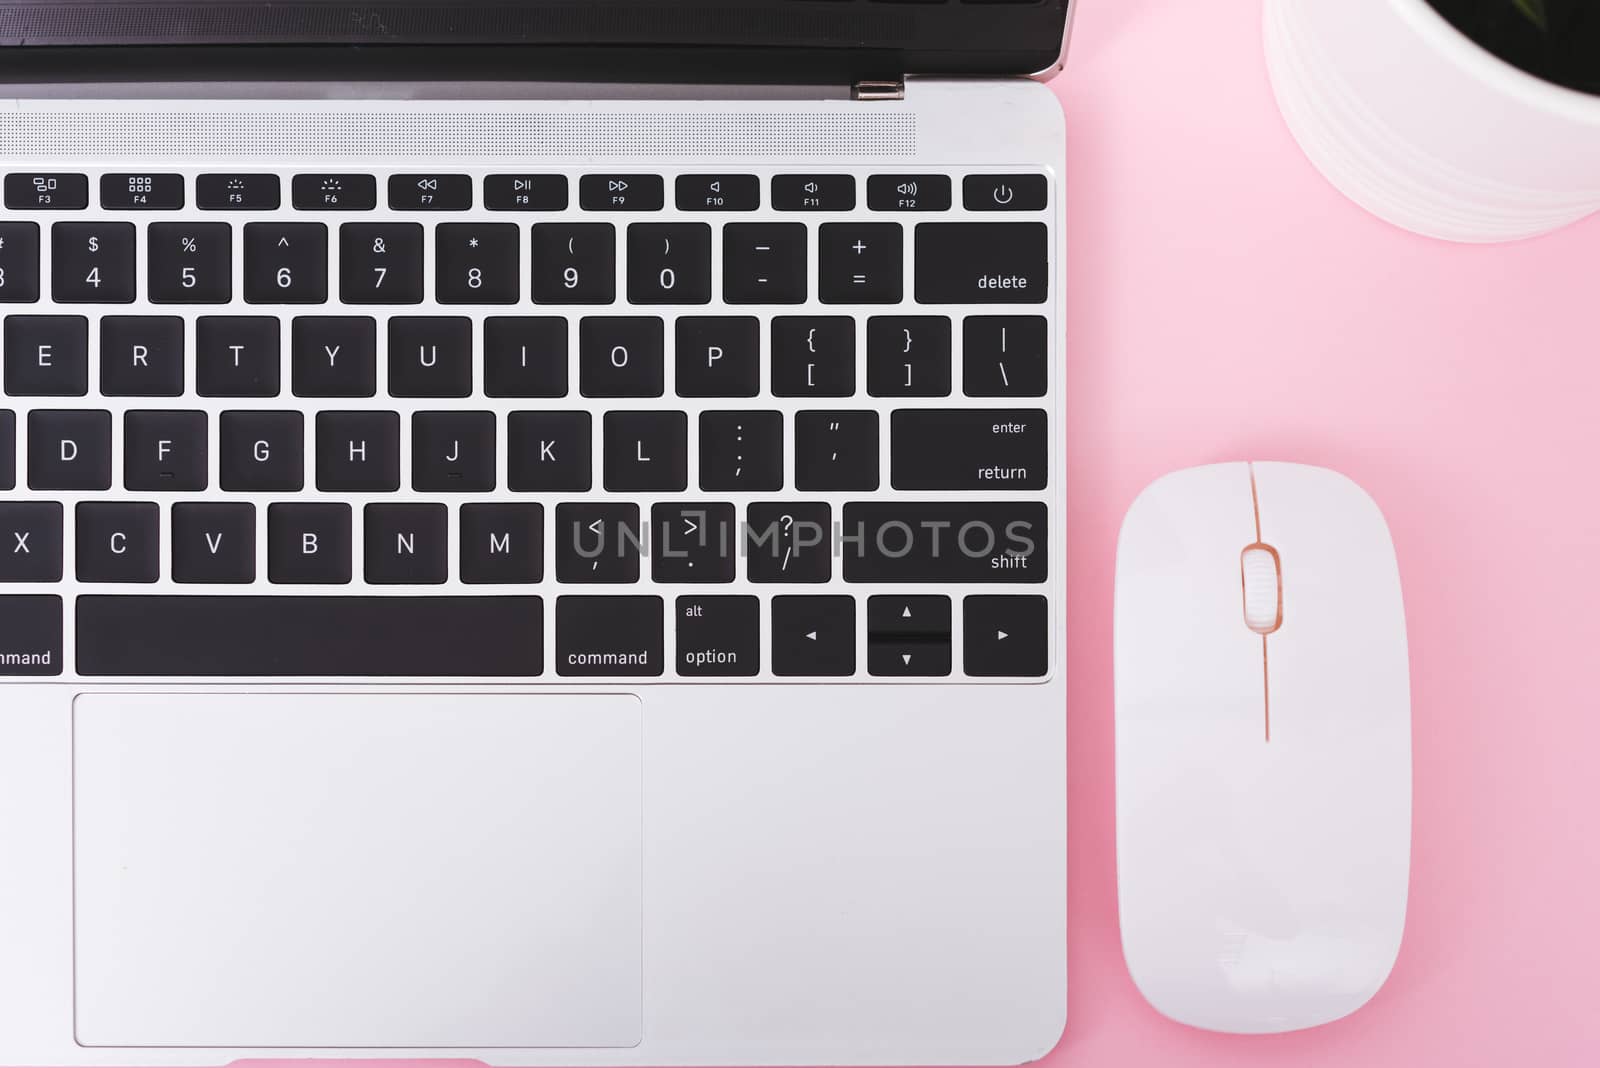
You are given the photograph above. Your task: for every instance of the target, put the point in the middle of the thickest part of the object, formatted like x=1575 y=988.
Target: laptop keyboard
x=489 y=425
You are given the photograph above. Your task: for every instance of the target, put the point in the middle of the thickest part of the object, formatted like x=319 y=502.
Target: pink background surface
x=1225 y=303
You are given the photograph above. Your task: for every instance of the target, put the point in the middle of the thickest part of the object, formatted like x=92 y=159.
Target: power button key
x=1005 y=192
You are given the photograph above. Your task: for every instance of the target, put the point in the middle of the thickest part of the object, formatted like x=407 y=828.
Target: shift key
x=969 y=449
x=982 y=263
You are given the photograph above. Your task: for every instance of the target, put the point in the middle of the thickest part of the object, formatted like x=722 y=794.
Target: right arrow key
x=1006 y=637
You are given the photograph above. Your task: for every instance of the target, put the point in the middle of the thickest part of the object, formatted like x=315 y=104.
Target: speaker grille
x=150 y=135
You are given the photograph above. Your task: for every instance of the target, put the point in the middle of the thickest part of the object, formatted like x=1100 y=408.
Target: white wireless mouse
x=1263 y=728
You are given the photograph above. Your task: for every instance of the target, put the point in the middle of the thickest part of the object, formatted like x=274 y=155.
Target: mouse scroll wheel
x=1262 y=572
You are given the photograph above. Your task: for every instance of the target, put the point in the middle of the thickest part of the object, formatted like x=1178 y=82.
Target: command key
x=30 y=635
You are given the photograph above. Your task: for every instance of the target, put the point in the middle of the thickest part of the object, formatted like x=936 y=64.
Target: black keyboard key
x=835 y=451
x=1005 y=356
x=19 y=262
x=993 y=449
x=453 y=452
x=1005 y=192
x=285 y=263
x=718 y=192
x=284 y=636
x=69 y=450
x=980 y=541
x=646 y=452
x=164 y=451
x=861 y=263
x=550 y=452
x=8 y=450
x=430 y=356
x=789 y=541
x=908 y=616
x=718 y=357
x=620 y=357
x=190 y=263
x=47 y=192
x=574 y=263
x=30 y=635
x=334 y=192
x=1006 y=637
x=478 y=263
x=141 y=356
x=908 y=356
x=141 y=192
x=741 y=452
x=621 y=192
x=502 y=543
x=262 y=452
x=524 y=356
x=764 y=263
x=46 y=355
x=597 y=542
x=358 y=452
x=908 y=636
x=814 y=636
x=719 y=637
x=93 y=263
x=308 y=542
x=669 y=263
x=118 y=541
x=609 y=636
x=813 y=356
x=693 y=542
x=334 y=356
x=237 y=192
x=813 y=192
x=30 y=541
x=380 y=263
x=904 y=658
x=982 y=263
x=525 y=192
x=430 y=192
x=213 y=542
x=237 y=356
x=908 y=192
x=405 y=544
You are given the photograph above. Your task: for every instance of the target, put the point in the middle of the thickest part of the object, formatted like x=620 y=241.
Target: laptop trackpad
x=317 y=870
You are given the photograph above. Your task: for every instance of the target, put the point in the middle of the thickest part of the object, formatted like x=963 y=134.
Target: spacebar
x=345 y=637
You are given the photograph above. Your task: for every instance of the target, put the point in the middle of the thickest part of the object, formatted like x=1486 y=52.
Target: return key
x=969 y=449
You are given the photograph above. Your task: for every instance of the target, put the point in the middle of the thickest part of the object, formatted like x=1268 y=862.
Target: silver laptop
x=531 y=532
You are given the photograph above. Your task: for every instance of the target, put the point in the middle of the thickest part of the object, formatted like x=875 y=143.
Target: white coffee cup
x=1425 y=128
